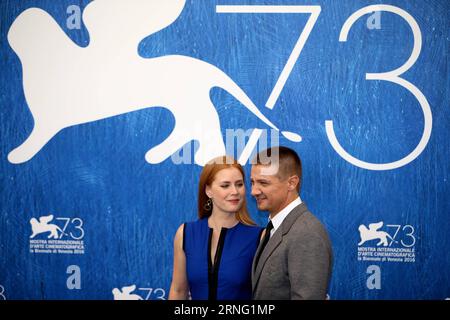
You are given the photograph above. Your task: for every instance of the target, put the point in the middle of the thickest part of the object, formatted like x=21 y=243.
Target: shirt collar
x=280 y=216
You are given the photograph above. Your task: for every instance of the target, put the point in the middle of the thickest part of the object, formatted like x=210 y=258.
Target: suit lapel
x=275 y=241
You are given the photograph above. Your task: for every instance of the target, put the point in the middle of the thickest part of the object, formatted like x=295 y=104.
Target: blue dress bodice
x=229 y=278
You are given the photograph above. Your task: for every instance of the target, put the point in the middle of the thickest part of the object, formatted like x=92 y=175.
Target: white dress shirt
x=280 y=216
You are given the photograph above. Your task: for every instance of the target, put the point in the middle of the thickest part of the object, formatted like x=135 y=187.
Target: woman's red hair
x=208 y=175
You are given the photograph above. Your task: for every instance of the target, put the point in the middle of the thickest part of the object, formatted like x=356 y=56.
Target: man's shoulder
x=308 y=230
x=306 y=222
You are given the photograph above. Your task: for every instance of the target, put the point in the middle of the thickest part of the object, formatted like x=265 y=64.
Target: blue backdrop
x=114 y=214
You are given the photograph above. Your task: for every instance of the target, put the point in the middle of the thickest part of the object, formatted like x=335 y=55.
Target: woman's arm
x=179 y=289
x=261 y=236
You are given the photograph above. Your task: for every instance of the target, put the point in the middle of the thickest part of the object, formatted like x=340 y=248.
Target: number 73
x=391 y=76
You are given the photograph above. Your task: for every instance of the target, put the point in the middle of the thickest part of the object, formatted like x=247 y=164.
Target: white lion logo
x=126 y=294
x=373 y=233
x=67 y=85
x=43 y=226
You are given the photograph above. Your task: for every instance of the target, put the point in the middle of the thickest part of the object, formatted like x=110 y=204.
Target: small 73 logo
x=383 y=237
x=56 y=232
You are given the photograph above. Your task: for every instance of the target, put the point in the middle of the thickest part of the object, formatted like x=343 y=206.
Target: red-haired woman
x=213 y=255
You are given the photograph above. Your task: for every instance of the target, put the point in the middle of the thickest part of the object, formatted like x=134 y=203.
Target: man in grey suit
x=294 y=259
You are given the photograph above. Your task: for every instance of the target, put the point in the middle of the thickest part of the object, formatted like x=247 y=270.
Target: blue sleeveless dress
x=229 y=278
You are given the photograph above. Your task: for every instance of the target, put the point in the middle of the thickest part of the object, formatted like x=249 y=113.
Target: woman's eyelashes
x=238 y=185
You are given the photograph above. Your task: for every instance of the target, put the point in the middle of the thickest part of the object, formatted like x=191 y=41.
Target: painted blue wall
x=94 y=180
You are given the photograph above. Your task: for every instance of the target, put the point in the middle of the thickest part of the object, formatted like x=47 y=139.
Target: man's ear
x=293 y=182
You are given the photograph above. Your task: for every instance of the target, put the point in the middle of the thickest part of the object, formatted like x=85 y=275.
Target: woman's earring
x=208 y=205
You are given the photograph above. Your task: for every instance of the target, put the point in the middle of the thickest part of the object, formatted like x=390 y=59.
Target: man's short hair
x=287 y=160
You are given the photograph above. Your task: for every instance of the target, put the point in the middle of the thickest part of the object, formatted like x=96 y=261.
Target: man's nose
x=255 y=191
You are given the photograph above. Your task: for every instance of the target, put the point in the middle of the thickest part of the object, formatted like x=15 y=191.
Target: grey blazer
x=296 y=262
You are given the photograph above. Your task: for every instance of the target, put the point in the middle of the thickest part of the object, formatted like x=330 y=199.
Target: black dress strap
x=184 y=237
